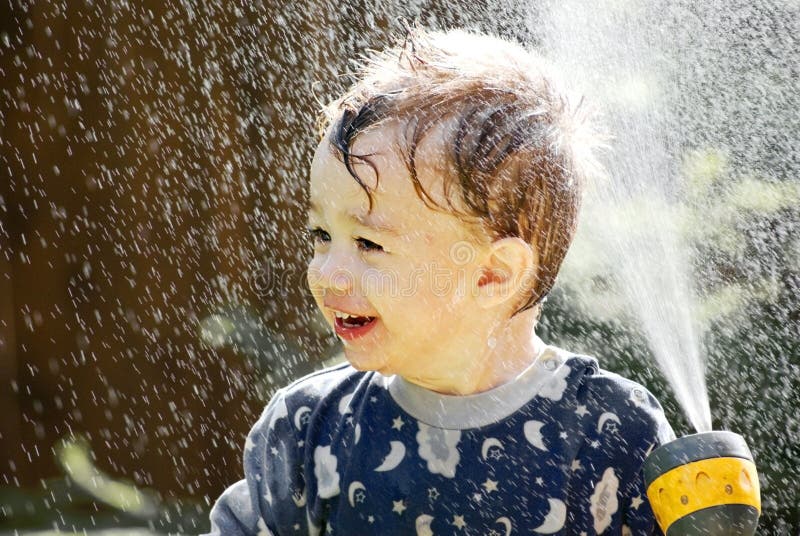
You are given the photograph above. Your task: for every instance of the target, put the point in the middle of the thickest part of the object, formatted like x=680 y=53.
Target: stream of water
x=618 y=53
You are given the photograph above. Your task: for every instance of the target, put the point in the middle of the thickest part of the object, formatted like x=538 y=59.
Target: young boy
x=443 y=198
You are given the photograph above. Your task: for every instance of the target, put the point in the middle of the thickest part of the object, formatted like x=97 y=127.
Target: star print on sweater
x=557 y=451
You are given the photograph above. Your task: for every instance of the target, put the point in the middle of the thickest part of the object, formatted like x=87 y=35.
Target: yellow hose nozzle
x=704 y=484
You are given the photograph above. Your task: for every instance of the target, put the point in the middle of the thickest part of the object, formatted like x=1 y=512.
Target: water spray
x=704 y=484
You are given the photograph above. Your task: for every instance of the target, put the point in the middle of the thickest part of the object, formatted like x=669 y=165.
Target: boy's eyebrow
x=364 y=220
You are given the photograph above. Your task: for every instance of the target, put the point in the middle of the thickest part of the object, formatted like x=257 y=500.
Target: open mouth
x=354 y=321
x=350 y=328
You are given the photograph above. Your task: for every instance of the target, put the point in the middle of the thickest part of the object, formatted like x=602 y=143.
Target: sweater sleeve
x=270 y=497
x=234 y=513
x=637 y=514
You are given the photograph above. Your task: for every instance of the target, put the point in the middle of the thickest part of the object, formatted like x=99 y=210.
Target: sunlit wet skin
x=442 y=318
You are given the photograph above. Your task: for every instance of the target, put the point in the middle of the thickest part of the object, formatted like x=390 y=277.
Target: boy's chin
x=364 y=362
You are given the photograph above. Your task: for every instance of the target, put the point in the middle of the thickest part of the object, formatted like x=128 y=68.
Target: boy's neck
x=512 y=349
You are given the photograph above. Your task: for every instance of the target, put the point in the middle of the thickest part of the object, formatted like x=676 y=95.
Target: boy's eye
x=318 y=235
x=368 y=245
x=321 y=236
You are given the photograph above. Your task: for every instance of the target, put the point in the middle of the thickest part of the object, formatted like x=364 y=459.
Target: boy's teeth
x=346 y=316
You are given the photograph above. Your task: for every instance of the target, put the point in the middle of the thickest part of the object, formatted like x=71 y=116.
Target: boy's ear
x=508 y=269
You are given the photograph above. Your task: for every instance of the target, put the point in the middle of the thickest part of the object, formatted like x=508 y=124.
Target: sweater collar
x=480 y=409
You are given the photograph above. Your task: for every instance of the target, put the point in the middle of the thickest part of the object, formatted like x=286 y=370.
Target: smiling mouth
x=350 y=327
x=351 y=322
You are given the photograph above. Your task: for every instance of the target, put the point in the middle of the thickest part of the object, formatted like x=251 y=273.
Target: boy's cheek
x=313 y=278
x=387 y=285
x=315 y=275
x=314 y=282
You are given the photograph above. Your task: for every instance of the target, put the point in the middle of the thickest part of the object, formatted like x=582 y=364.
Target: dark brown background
x=152 y=165
x=152 y=173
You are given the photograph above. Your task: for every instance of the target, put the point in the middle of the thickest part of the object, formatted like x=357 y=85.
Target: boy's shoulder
x=600 y=382
x=301 y=400
x=334 y=382
x=623 y=400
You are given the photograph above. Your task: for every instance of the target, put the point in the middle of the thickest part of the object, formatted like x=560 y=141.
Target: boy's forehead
x=385 y=167
x=394 y=196
x=393 y=139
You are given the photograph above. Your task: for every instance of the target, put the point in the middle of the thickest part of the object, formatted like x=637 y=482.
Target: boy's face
x=405 y=270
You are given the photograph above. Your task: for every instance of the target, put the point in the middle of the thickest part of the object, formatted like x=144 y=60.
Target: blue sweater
x=559 y=450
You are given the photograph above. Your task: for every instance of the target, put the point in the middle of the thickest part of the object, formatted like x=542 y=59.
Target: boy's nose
x=331 y=275
x=340 y=280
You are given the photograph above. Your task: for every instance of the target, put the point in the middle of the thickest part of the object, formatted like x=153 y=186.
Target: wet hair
x=519 y=148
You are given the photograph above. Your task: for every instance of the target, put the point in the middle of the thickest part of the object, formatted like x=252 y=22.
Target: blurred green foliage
x=88 y=499
x=743 y=234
